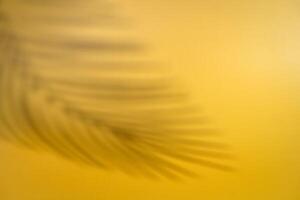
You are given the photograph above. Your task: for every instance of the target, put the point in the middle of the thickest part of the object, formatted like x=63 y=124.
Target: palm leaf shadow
x=92 y=99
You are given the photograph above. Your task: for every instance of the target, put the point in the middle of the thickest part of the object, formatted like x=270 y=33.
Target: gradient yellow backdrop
x=240 y=61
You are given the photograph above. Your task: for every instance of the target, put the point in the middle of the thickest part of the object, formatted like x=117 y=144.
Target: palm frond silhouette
x=71 y=86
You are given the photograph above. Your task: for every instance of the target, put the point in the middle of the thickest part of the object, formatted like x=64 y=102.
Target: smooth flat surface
x=240 y=61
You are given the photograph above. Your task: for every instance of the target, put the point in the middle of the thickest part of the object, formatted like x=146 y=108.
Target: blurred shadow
x=92 y=98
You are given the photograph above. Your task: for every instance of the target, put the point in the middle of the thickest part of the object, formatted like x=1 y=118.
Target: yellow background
x=240 y=60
